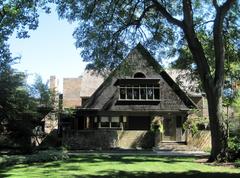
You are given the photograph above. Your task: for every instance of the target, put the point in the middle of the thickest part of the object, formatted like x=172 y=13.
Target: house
x=137 y=96
x=77 y=90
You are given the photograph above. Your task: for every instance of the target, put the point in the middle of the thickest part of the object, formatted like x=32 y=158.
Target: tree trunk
x=217 y=126
x=212 y=84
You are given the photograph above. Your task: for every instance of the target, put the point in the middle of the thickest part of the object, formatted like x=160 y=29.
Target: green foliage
x=237 y=162
x=236 y=104
x=40 y=157
x=109 y=28
x=185 y=61
x=19 y=15
x=20 y=112
x=41 y=92
x=157 y=126
x=234 y=148
x=194 y=123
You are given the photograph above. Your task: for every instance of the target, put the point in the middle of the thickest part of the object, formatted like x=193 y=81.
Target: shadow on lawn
x=131 y=159
x=189 y=174
x=92 y=159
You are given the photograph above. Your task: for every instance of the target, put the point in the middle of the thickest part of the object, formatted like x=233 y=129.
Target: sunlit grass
x=120 y=166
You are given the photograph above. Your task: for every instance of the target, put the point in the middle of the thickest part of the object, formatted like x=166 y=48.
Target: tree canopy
x=109 y=28
x=19 y=109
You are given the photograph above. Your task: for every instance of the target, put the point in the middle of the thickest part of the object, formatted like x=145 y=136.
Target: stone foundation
x=108 y=139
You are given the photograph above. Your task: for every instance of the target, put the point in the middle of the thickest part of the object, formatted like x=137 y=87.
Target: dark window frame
x=131 y=90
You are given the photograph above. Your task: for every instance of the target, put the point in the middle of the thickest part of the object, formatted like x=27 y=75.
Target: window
x=139 y=75
x=104 y=122
x=129 y=93
x=150 y=93
x=115 y=122
x=143 y=92
x=139 y=92
x=136 y=92
x=107 y=122
x=122 y=93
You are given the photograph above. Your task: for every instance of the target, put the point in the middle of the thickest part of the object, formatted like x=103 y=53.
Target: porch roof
x=95 y=112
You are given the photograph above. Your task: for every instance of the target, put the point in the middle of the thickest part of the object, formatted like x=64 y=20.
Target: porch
x=171 y=123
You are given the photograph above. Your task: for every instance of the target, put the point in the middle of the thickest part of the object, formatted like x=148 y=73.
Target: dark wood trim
x=133 y=81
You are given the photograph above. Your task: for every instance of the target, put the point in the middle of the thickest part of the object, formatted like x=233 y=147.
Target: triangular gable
x=106 y=96
x=181 y=94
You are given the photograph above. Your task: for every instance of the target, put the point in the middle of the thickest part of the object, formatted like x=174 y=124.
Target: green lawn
x=120 y=166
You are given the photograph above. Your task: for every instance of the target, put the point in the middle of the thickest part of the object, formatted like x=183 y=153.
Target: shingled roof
x=157 y=67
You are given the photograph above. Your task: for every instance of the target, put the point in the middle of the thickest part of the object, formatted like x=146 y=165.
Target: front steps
x=174 y=146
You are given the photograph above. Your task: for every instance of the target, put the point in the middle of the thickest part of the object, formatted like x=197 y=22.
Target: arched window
x=139 y=75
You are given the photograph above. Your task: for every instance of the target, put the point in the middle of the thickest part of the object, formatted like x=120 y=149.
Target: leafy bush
x=234 y=148
x=41 y=156
x=237 y=163
x=195 y=123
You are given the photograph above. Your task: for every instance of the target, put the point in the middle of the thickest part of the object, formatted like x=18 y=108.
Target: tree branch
x=187 y=13
x=215 y=4
x=136 y=22
x=92 y=8
x=195 y=46
x=206 y=22
x=226 y=6
x=219 y=49
x=166 y=14
x=2 y=14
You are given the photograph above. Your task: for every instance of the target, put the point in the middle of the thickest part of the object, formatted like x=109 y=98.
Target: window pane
x=122 y=93
x=143 y=93
x=136 y=93
x=156 y=93
x=115 y=124
x=104 y=119
x=150 y=93
x=115 y=119
x=129 y=93
x=105 y=122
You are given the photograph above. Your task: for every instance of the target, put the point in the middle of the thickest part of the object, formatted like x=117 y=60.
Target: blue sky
x=49 y=51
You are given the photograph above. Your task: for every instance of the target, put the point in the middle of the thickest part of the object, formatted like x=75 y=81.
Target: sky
x=50 y=50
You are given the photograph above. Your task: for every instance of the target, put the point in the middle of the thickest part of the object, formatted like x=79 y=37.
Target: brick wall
x=107 y=139
x=71 y=92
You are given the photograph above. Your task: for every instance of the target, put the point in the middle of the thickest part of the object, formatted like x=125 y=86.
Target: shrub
x=234 y=148
x=41 y=156
x=195 y=123
x=237 y=163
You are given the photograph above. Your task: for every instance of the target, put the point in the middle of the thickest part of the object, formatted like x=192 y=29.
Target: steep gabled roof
x=157 y=67
x=181 y=94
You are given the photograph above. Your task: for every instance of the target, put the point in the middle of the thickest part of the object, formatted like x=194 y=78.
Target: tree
x=18 y=16
x=41 y=92
x=21 y=110
x=109 y=27
x=185 y=61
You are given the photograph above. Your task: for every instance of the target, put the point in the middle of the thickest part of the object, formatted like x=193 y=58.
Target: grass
x=120 y=166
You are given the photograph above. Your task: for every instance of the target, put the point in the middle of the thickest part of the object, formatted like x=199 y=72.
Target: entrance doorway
x=169 y=127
